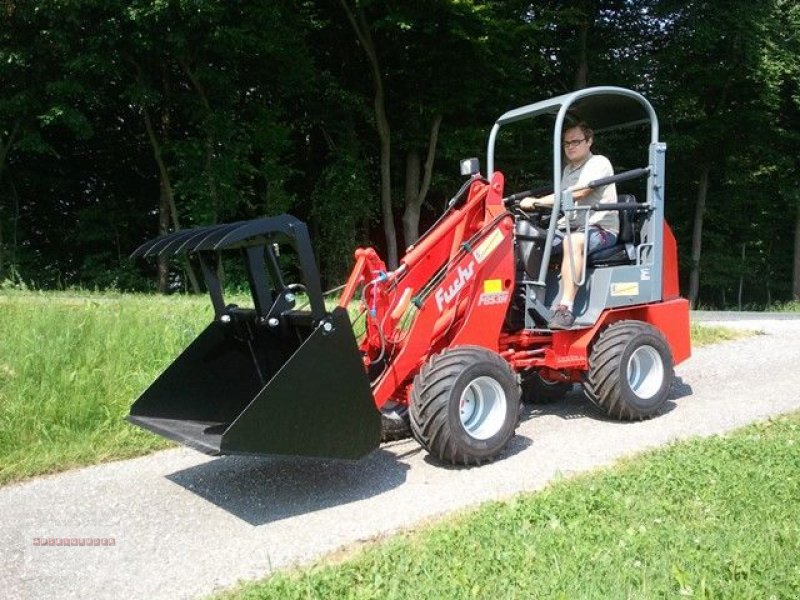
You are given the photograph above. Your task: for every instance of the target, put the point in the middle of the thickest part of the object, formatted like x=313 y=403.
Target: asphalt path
x=179 y=524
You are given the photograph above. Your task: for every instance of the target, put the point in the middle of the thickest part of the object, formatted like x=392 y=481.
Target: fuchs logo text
x=445 y=296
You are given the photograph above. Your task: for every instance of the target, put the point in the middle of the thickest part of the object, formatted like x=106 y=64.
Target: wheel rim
x=645 y=371
x=482 y=408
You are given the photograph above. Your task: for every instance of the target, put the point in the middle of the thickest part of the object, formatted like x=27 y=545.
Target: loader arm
x=462 y=267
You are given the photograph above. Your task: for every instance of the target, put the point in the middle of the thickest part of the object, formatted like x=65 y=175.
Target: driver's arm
x=531 y=201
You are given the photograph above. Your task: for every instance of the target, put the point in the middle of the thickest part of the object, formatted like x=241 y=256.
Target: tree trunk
x=361 y=28
x=2 y=241
x=741 y=278
x=210 y=142
x=163 y=229
x=14 y=230
x=416 y=192
x=167 y=198
x=2 y=249
x=166 y=205
x=590 y=11
x=412 y=209
x=768 y=274
x=5 y=148
x=796 y=276
x=582 y=71
x=697 y=236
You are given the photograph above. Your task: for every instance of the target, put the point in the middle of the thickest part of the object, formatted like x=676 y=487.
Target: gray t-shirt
x=595 y=167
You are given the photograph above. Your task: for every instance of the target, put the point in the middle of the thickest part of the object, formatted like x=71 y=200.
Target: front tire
x=630 y=371
x=394 y=422
x=465 y=405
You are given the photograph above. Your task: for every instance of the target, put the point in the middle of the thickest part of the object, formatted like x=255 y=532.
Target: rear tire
x=536 y=390
x=630 y=371
x=465 y=405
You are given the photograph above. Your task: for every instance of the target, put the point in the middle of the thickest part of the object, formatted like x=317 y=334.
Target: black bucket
x=269 y=380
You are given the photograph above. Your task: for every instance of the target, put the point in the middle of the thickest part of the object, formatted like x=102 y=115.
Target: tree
x=358 y=20
x=37 y=98
x=210 y=86
x=120 y=121
x=787 y=64
x=716 y=90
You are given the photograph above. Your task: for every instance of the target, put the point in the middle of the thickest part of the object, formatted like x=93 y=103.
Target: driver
x=582 y=167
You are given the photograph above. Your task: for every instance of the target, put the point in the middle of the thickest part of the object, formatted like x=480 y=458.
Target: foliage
x=343 y=204
x=262 y=108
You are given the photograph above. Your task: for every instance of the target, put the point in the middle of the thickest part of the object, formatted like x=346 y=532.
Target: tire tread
x=603 y=384
x=430 y=401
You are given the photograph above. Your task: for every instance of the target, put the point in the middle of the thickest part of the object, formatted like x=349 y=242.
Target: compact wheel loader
x=453 y=339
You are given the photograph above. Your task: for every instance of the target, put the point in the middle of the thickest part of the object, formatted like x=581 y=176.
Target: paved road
x=751 y=318
x=183 y=524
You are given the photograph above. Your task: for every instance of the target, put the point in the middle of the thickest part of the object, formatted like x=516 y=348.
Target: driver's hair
x=585 y=129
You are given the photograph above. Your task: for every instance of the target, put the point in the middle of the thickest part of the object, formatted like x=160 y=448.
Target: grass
x=710 y=518
x=704 y=335
x=70 y=367
x=791 y=306
x=71 y=364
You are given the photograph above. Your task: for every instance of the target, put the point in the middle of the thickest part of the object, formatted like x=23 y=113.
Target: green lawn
x=70 y=367
x=71 y=364
x=710 y=518
x=703 y=335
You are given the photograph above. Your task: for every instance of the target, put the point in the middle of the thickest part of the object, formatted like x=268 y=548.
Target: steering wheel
x=539 y=211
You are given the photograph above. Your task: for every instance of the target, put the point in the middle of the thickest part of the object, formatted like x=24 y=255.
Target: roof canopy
x=602 y=108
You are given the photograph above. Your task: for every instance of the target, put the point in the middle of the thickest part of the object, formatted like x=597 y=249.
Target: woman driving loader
x=603 y=227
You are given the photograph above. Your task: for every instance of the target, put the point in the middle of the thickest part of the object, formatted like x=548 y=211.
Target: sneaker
x=561 y=319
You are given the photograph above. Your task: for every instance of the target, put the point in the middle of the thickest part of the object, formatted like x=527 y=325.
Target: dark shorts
x=597 y=238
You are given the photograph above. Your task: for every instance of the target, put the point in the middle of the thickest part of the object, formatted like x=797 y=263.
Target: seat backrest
x=626 y=220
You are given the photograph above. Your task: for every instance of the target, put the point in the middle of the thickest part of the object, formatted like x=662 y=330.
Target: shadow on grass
x=260 y=490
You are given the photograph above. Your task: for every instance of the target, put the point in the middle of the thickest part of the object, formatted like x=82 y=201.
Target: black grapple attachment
x=269 y=379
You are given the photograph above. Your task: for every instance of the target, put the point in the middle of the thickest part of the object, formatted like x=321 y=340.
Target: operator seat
x=624 y=251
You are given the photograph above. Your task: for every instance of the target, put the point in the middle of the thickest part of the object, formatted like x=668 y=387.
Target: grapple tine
x=277 y=228
x=222 y=242
x=160 y=249
x=188 y=243
x=243 y=232
x=141 y=251
x=202 y=243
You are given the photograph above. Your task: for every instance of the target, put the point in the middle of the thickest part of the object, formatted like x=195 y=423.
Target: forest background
x=120 y=121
